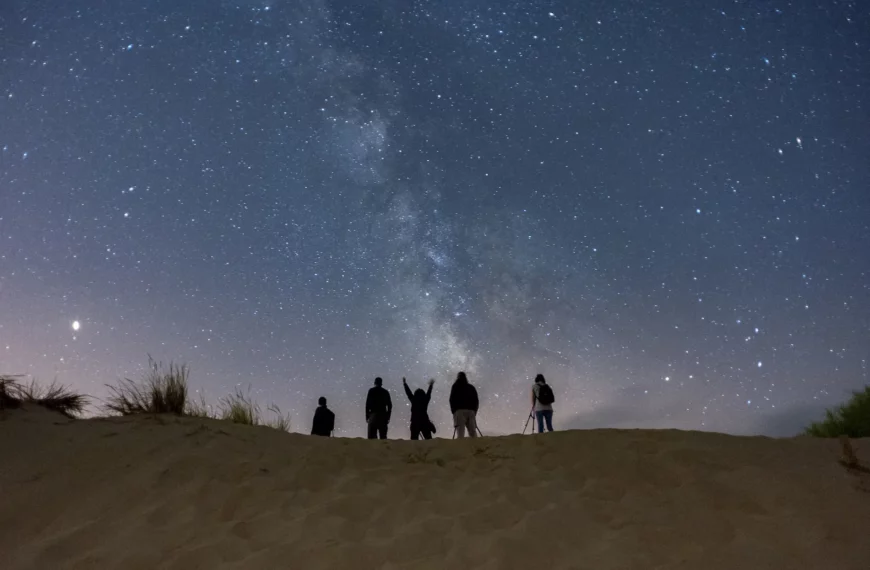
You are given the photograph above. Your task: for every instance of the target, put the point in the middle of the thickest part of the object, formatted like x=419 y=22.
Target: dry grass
x=163 y=390
x=240 y=408
x=281 y=422
x=8 y=393
x=54 y=397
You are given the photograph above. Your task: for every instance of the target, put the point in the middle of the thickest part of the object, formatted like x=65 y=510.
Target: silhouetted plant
x=239 y=409
x=199 y=409
x=163 y=390
x=281 y=422
x=851 y=419
x=8 y=397
x=55 y=397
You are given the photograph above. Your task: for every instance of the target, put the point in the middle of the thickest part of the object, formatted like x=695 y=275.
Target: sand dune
x=163 y=492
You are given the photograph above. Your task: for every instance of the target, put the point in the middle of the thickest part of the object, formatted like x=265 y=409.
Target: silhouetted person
x=379 y=408
x=542 y=401
x=324 y=419
x=420 y=422
x=463 y=406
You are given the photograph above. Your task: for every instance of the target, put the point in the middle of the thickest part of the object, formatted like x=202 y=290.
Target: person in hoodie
x=463 y=406
x=324 y=419
x=420 y=422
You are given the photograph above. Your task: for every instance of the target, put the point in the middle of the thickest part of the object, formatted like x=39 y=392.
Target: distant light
x=759 y=364
x=76 y=325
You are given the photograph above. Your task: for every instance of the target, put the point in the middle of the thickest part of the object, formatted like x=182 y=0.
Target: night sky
x=663 y=206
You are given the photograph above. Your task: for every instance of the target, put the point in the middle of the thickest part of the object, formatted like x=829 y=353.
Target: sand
x=164 y=492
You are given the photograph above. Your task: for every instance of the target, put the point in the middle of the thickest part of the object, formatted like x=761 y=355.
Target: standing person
x=463 y=405
x=379 y=408
x=542 y=401
x=420 y=422
x=324 y=419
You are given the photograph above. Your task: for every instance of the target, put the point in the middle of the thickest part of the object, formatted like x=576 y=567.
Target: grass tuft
x=163 y=390
x=240 y=408
x=54 y=397
x=281 y=422
x=8 y=393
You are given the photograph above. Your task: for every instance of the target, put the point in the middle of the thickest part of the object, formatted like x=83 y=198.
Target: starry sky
x=663 y=206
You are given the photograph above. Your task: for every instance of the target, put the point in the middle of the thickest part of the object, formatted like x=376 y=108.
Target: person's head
x=378 y=381
x=321 y=401
x=461 y=378
x=419 y=393
x=539 y=379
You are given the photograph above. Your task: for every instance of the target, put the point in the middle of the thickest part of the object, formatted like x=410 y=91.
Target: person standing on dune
x=324 y=419
x=542 y=402
x=420 y=422
x=464 y=405
x=379 y=408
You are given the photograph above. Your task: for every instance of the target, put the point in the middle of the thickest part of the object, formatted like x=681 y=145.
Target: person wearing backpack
x=542 y=402
x=324 y=419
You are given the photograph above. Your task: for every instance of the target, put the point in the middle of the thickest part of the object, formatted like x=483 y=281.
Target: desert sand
x=181 y=493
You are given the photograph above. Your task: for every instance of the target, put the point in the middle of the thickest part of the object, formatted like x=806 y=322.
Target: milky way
x=662 y=206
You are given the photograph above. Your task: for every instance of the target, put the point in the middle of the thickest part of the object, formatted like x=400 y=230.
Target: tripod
x=531 y=418
x=475 y=425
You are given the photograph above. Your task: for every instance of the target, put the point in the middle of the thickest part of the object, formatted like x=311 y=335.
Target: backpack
x=545 y=395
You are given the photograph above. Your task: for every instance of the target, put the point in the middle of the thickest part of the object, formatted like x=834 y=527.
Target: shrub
x=54 y=397
x=163 y=390
x=851 y=419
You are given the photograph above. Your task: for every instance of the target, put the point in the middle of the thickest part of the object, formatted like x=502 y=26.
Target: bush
x=851 y=419
x=163 y=390
x=54 y=397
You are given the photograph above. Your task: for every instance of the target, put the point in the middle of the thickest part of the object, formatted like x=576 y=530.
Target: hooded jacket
x=463 y=396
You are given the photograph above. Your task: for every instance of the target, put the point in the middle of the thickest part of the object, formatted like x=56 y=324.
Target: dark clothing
x=463 y=396
x=379 y=402
x=420 y=422
x=324 y=422
x=378 y=424
x=379 y=408
x=417 y=432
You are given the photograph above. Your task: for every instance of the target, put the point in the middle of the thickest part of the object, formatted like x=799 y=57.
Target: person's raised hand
x=431 y=381
x=404 y=381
